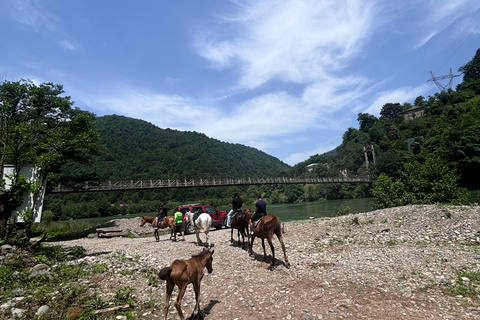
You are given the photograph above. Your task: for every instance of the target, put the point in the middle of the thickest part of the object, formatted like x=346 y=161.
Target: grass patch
x=467 y=284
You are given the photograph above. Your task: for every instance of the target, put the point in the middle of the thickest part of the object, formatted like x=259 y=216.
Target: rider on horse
x=260 y=211
x=237 y=203
x=162 y=213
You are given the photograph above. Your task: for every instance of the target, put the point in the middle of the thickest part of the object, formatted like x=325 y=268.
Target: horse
x=168 y=221
x=146 y=219
x=265 y=229
x=182 y=273
x=201 y=225
x=239 y=221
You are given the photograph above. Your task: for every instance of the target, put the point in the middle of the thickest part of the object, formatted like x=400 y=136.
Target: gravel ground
x=387 y=264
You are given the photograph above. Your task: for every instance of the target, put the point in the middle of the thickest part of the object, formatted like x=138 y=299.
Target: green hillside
x=136 y=149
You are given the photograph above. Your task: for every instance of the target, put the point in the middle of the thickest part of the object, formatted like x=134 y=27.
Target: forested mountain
x=446 y=125
x=136 y=149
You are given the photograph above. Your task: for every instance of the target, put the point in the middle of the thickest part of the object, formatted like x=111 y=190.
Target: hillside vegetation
x=136 y=149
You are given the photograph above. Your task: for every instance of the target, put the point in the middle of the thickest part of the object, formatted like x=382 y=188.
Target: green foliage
x=467 y=284
x=427 y=183
x=342 y=211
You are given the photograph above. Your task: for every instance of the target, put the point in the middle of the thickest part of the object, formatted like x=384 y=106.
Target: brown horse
x=240 y=222
x=265 y=229
x=169 y=222
x=183 y=272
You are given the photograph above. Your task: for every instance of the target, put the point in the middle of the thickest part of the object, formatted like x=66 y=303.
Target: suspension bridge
x=129 y=185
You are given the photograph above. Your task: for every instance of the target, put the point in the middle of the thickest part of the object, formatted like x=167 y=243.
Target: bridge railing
x=193 y=183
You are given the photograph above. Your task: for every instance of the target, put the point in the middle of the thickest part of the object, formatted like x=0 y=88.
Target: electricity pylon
x=449 y=76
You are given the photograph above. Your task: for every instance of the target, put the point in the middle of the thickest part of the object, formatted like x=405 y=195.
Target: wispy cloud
x=442 y=15
x=37 y=16
x=293 y=41
x=32 y=14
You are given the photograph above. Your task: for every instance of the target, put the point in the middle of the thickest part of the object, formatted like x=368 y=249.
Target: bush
x=428 y=183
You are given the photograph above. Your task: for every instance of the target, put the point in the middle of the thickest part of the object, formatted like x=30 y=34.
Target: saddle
x=255 y=223
x=235 y=212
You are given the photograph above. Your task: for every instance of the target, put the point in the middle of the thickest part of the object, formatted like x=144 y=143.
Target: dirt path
x=387 y=264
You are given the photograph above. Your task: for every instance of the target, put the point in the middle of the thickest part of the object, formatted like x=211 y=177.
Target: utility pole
x=365 y=151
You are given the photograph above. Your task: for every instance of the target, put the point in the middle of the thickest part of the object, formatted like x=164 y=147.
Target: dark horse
x=240 y=222
x=265 y=229
x=183 y=272
x=169 y=222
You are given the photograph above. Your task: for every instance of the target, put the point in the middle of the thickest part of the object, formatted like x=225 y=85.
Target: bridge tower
x=437 y=80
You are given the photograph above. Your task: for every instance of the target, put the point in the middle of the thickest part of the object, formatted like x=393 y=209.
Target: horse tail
x=164 y=273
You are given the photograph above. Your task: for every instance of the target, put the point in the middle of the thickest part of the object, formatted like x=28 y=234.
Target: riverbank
x=396 y=263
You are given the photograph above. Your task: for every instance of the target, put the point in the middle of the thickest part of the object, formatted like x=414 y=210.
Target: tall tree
x=39 y=127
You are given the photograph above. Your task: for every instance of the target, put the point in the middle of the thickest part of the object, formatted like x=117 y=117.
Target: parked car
x=219 y=218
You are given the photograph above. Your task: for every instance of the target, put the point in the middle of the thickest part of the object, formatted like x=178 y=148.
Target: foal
x=183 y=272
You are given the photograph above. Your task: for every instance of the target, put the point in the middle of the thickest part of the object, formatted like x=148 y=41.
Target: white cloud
x=400 y=95
x=294 y=41
x=69 y=45
x=319 y=149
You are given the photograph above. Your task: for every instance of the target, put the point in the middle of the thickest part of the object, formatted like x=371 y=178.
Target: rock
x=42 y=310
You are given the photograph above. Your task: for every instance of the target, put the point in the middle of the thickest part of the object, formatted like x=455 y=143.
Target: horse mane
x=202 y=253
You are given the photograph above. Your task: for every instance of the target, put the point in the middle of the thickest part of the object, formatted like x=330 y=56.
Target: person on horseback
x=260 y=211
x=162 y=213
x=237 y=203
x=179 y=226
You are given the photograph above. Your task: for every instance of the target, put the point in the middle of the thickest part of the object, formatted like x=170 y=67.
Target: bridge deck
x=195 y=183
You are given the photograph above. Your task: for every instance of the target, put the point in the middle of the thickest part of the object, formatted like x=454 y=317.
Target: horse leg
x=178 y=302
x=269 y=239
x=264 y=252
x=170 y=286
x=251 y=244
x=208 y=239
x=198 y=237
x=157 y=235
x=280 y=238
x=243 y=238
x=196 y=288
x=171 y=234
x=231 y=234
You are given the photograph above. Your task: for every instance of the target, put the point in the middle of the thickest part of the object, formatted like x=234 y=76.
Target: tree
x=39 y=127
x=391 y=110
x=471 y=75
x=366 y=121
x=420 y=183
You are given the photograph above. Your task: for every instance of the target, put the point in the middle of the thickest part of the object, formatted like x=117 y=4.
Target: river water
x=318 y=209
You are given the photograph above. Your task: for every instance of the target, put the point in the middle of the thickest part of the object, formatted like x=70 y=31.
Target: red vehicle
x=219 y=218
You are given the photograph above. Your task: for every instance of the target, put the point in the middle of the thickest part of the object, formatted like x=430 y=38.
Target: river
x=318 y=209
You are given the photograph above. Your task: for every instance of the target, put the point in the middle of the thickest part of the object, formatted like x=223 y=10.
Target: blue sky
x=286 y=77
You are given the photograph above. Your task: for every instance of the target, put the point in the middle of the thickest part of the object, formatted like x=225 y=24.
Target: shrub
x=427 y=183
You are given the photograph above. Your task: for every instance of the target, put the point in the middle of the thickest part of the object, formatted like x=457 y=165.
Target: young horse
x=169 y=222
x=265 y=229
x=240 y=222
x=201 y=225
x=183 y=272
